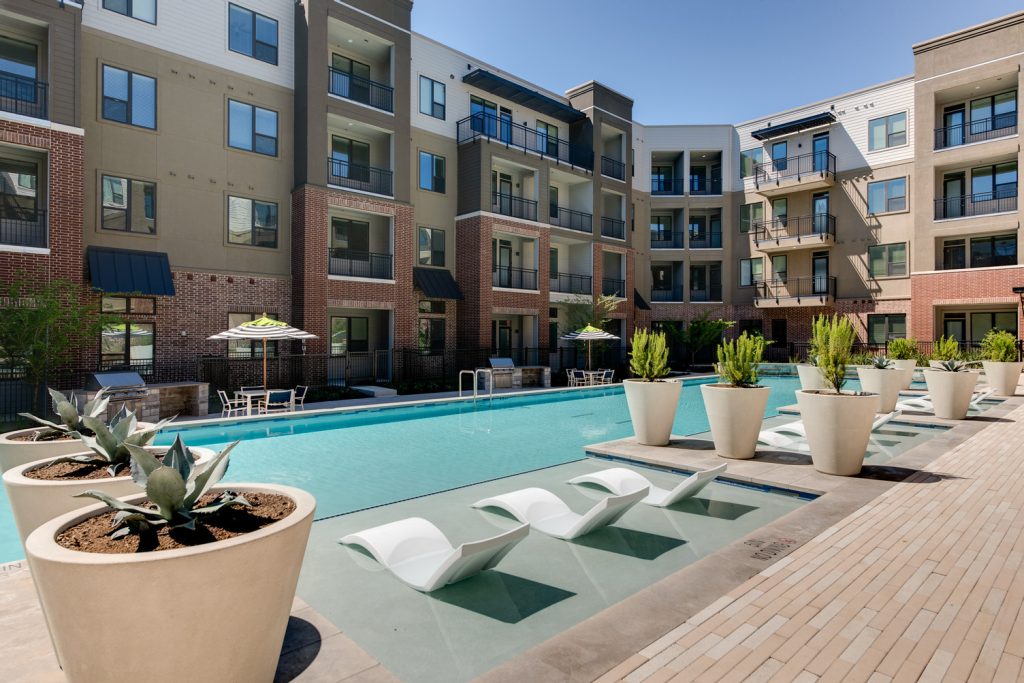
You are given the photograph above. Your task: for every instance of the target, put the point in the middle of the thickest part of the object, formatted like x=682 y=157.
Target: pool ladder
x=476 y=382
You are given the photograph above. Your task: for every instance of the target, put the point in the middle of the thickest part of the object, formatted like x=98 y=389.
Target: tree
x=701 y=332
x=586 y=310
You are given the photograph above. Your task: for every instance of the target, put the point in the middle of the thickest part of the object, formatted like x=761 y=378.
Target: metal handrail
x=22 y=227
x=817 y=226
x=611 y=286
x=510 y=205
x=511 y=277
x=711 y=240
x=22 y=95
x=613 y=227
x=796 y=287
x=359 y=89
x=673 y=294
x=569 y=283
x=776 y=170
x=705 y=186
x=978 y=130
x=979 y=204
x=503 y=130
x=355 y=263
x=475 y=374
x=674 y=241
x=364 y=178
x=667 y=186
x=613 y=168
x=572 y=219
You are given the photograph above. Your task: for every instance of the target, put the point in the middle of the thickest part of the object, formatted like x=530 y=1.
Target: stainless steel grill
x=118 y=385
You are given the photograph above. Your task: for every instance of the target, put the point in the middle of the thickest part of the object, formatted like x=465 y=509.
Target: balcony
x=801 y=232
x=571 y=219
x=510 y=277
x=706 y=240
x=702 y=185
x=23 y=96
x=23 y=227
x=709 y=293
x=363 y=178
x=795 y=292
x=999 y=126
x=352 y=263
x=611 y=286
x=667 y=186
x=516 y=207
x=965 y=206
x=361 y=90
x=613 y=168
x=613 y=227
x=798 y=173
x=667 y=240
x=673 y=294
x=503 y=131
x=567 y=283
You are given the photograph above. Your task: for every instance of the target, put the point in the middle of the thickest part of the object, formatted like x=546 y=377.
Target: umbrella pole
x=588 y=353
x=264 y=362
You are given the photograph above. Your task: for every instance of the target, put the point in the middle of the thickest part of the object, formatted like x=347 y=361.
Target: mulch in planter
x=93 y=535
x=77 y=471
x=41 y=436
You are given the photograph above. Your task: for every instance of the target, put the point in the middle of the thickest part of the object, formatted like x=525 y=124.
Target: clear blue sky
x=702 y=61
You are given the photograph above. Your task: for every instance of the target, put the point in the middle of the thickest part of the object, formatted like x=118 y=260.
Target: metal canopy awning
x=509 y=90
x=125 y=271
x=640 y=302
x=790 y=127
x=436 y=283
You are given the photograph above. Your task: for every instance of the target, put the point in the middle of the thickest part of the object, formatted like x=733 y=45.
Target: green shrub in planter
x=738 y=360
x=947 y=348
x=902 y=349
x=649 y=358
x=833 y=340
x=999 y=346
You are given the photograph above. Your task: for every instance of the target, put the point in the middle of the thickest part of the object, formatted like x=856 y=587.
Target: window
x=252 y=128
x=753 y=327
x=351 y=238
x=129 y=205
x=136 y=305
x=887 y=195
x=431 y=247
x=248 y=348
x=553 y=328
x=431 y=172
x=1000 y=250
x=751 y=271
x=431 y=336
x=888 y=260
x=780 y=210
x=887 y=131
x=706 y=282
x=661 y=277
x=780 y=152
x=751 y=214
x=349 y=335
x=143 y=10
x=661 y=230
x=994 y=182
x=954 y=254
x=252 y=222
x=780 y=268
x=882 y=328
x=128 y=345
x=553 y=202
x=553 y=262
x=982 y=322
x=432 y=98
x=129 y=97
x=252 y=34
x=19 y=58
x=432 y=307
x=547 y=138
x=350 y=159
x=993 y=113
x=749 y=159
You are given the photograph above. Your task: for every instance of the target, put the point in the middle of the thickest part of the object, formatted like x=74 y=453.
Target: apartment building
x=197 y=164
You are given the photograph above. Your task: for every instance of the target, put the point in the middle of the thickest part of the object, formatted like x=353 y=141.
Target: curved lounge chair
x=620 y=481
x=793 y=435
x=419 y=553
x=924 y=403
x=548 y=514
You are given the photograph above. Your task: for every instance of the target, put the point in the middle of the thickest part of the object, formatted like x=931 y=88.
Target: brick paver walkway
x=923 y=583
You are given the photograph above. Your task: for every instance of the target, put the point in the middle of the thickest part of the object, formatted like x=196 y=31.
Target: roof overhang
x=826 y=118
x=520 y=94
x=126 y=271
x=436 y=283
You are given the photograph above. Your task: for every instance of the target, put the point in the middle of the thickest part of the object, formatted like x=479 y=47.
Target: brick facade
x=966 y=289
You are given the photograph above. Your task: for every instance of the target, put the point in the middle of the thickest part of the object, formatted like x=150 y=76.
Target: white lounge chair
x=548 y=514
x=419 y=553
x=924 y=403
x=793 y=435
x=620 y=481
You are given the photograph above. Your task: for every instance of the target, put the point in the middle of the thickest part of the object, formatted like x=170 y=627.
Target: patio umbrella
x=589 y=334
x=263 y=328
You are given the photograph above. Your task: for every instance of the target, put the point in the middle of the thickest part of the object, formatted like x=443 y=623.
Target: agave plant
x=110 y=443
x=175 y=486
x=71 y=415
x=953 y=366
x=880 y=362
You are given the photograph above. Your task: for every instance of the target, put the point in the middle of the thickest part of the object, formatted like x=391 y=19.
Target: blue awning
x=790 y=127
x=125 y=271
x=520 y=94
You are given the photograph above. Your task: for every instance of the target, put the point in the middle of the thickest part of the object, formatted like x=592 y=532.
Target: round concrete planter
x=838 y=428
x=221 y=609
x=906 y=366
x=886 y=383
x=810 y=377
x=735 y=414
x=652 y=409
x=951 y=392
x=35 y=501
x=1003 y=377
x=14 y=453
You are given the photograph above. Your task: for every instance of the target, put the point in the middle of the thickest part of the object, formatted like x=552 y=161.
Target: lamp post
x=1019 y=291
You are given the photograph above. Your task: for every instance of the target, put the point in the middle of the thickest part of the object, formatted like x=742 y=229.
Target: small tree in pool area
x=702 y=332
x=649 y=358
x=832 y=340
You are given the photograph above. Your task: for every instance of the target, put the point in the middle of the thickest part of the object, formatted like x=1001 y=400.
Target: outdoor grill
x=502 y=369
x=118 y=385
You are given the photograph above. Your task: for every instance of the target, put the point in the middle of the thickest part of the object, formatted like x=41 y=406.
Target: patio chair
x=579 y=377
x=282 y=400
x=793 y=435
x=608 y=377
x=924 y=403
x=255 y=387
x=571 y=377
x=620 y=481
x=230 y=406
x=548 y=514
x=300 y=396
x=419 y=554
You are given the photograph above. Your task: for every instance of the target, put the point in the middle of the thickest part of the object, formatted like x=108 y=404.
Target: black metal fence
x=977 y=130
x=22 y=227
x=613 y=227
x=510 y=205
x=361 y=90
x=978 y=204
x=357 y=177
x=354 y=263
x=795 y=168
x=505 y=131
x=567 y=283
x=563 y=217
x=817 y=226
x=22 y=95
x=613 y=168
x=511 y=277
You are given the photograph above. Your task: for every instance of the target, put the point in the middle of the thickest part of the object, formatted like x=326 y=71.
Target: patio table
x=248 y=395
x=593 y=376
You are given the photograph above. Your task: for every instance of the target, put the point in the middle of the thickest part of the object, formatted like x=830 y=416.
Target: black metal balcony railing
x=706 y=240
x=22 y=227
x=613 y=227
x=352 y=263
x=611 y=286
x=613 y=168
x=21 y=95
x=976 y=131
x=364 y=178
x=667 y=186
x=568 y=283
x=702 y=186
x=510 y=205
x=666 y=240
x=673 y=294
x=815 y=286
x=361 y=90
x=511 y=277
x=822 y=164
x=571 y=219
x=1003 y=199
x=817 y=227
x=491 y=127
x=710 y=293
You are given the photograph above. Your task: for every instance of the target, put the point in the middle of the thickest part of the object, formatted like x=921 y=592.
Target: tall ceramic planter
x=216 y=612
x=906 y=366
x=35 y=501
x=951 y=392
x=884 y=382
x=810 y=377
x=838 y=429
x=735 y=414
x=652 y=409
x=14 y=452
x=1003 y=377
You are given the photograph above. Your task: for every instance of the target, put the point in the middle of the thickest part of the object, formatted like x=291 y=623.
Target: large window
x=661 y=231
x=882 y=328
x=351 y=237
x=252 y=34
x=350 y=159
x=887 y=195
x=994 y=182
x=780 y=152
x=751 y=271
x=431 y=172
x=888 y=260
x=954 y=254
x=129 y=97
x=252 y=128
x=129 y=205
x=751 y=214
x=128 y=305
x=248 y=348
x=432 y=98
x=887 y=131
x=349 y=335
x=993 y=113
x=431 y=246
x=984 y=321
x=749 y=159
x=128 y=343
x=780 y=268
x=431 y=335
x=19 y=58
x=143 y=10
x=252 y=222
x=547 y=138
x=1000 y=250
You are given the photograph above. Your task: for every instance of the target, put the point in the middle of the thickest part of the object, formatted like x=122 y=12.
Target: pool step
x=375 y=391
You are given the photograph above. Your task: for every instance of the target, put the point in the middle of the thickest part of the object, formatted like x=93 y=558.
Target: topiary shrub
x=833 y=338
x=738 y=360
x=649 y=358
x=947 y=348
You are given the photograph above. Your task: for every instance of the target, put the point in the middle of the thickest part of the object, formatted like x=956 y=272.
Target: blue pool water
x=352 y=461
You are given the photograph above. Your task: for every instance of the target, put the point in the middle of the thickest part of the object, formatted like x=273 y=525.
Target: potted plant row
x=735 y=406
x=881 y=377
x=652 y=400
x=1002 y=369
x=903 y=353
